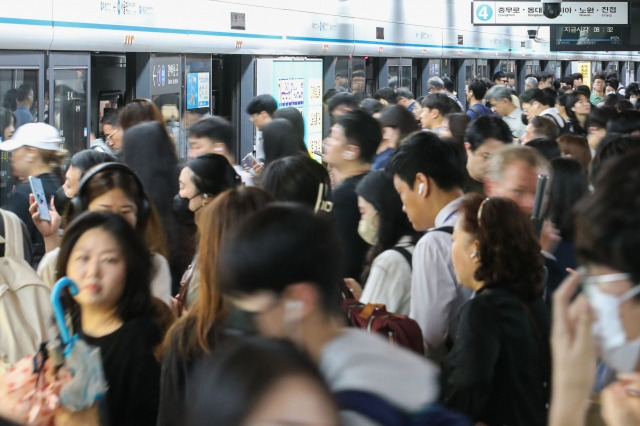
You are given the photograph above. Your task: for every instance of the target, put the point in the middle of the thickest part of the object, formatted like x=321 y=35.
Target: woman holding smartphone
x=35 y=151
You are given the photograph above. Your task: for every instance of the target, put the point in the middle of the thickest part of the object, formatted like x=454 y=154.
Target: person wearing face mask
x=603 y=322
x=384 y=226
x=200 y=181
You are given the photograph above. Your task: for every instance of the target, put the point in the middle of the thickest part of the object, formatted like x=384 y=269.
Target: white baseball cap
x=36 y=135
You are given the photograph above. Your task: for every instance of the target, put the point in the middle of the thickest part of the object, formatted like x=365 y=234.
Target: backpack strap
x=371 y=406
x=405 y=253
x=447 y=229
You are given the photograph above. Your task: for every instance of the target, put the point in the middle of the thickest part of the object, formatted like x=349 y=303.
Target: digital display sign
x=590 y=37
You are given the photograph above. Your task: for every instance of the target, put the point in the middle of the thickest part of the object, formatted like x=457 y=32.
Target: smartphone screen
x=248 y=161
x=41 y=199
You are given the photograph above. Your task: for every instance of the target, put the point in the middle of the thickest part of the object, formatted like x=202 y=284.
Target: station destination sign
x=531 y=13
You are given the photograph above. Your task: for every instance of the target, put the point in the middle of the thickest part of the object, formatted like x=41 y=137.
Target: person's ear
x=421 y=185
x=467 y=147
x=351 y=152
x=305 y=294
x=475 y=256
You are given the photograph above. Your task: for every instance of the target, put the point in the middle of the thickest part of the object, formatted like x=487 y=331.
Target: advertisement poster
x=297 y=84
x=197 y=90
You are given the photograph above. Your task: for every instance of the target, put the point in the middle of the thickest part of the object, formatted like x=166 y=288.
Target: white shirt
x=357 y=360
x=555 y=115
x=514 y=121
x=160 y=278
x=246 y=177
x=389 y=280
x=436 y=296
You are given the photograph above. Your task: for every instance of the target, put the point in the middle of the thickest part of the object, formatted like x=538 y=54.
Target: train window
x=358 y=75
x=69 y=112
x=394 y=71
x=342 y=73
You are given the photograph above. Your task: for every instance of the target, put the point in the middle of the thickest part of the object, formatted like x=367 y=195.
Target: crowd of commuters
x=214 y=291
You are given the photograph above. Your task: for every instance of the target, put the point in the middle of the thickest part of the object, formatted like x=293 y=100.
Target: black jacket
x=498 y=370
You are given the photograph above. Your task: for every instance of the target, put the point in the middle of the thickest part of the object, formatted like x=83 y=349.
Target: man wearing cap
x=35 y=151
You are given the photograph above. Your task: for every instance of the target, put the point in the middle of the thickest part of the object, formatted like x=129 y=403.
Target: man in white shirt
x=541 y=102
x=428 y=174
x=500 y=98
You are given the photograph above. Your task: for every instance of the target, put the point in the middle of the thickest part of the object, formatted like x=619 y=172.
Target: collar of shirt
x=447 y=216
x=516 y=114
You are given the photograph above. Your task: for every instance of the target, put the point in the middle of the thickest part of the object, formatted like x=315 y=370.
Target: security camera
x=532 y=34
x=551 y=8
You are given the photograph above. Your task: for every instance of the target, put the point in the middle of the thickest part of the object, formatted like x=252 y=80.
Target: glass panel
x=446 y=68
x=393 y=76
x=481 y=68
x=70 y=107
x=15 y=84
x=405 y=80
x=358 y=77
x=434 y=67
x=469 y=66
x=342 y=73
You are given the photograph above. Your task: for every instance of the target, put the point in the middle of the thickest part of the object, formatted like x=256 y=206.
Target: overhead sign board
x=530 y=13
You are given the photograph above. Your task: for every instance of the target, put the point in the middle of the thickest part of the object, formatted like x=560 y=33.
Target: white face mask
x=617 y=352
x=368 y=230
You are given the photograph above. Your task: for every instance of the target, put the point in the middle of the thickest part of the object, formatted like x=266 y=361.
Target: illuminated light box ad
x=298 y=84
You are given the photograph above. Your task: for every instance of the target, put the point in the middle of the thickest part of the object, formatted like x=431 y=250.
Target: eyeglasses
x=107 y=138
x=505 y=81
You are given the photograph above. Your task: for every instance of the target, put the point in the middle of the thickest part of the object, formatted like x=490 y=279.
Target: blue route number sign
x=484 y=12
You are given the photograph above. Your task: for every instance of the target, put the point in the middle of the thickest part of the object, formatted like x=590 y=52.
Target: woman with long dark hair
x=383 y=224
x=578 y=109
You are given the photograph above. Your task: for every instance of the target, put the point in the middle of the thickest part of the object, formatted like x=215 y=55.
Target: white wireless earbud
x=474 y=254
x=421 y=188
x=348 y=154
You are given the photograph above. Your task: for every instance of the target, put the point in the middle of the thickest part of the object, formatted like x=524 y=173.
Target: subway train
x=211 y=56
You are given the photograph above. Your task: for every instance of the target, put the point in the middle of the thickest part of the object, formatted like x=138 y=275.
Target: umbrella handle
x=58 y=310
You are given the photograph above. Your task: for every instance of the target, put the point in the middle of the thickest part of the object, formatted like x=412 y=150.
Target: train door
x=400 y=74
x=108 y=86
x=69 y=82
x=18 y=72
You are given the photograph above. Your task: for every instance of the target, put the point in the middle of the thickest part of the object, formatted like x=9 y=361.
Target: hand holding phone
x=248 y=161
x=40 y=197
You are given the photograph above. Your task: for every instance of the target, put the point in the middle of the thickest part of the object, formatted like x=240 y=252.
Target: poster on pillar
x=297 y=84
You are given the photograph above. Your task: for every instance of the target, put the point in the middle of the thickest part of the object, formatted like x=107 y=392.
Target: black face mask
x=61 y=201
x=181 y=211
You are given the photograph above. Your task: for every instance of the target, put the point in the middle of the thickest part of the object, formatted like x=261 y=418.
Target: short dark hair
x=448 y=84
x=399 y=118
x=531 y=95
x=576 y=76
x=87 y=158
x=111 y=117
x=624 y=122
x=403 y=92
x=551 y=96
x=361 y=130
x=424 y=152
x=600 y=76
x=387 y=94
x=613 y=145
x=566 y=80
x=549 y=148
x=23 y=92
x=584 y=89
x=297 y=179
x=607 y=225
x=487 y=127
x=545 y=127
x=212 y=174
x=478 y=88
x=287 y=244
x=442 y=102
x=508 y=247
x=135 y=299
x=214 y=128
x=342 y=99
x=499 y=75
x=226 y=387
x=371 y=106
x=544 y=76
x=261 y=103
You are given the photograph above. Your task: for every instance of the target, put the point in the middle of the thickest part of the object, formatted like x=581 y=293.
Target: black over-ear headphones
x=79 y=203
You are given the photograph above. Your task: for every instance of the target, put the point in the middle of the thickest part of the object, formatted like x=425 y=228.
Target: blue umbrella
x=85 y=363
